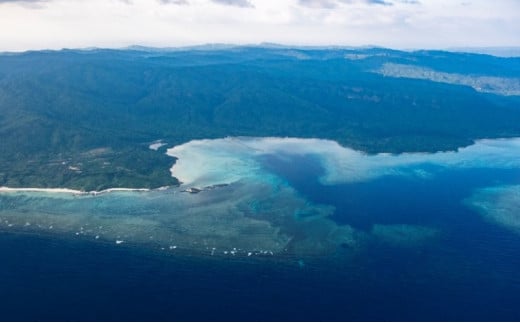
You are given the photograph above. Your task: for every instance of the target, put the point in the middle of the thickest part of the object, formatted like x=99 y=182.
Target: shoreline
x=5 y=189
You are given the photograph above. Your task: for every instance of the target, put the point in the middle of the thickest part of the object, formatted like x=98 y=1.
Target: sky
x=400 y=24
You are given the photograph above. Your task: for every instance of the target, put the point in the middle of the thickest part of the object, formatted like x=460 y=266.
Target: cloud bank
x=166 y=23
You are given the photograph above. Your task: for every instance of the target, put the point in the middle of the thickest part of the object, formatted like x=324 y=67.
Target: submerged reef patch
x=500 y=204
x=242 y=219
x=403 y=234
x=243 y=208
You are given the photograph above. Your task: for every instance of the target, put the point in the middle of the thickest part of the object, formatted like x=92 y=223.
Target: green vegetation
x=84 y=119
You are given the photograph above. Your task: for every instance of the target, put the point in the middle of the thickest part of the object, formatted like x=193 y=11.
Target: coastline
x=5 y=189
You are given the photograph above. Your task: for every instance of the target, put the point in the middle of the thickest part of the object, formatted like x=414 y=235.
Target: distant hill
x=495 y=51
x=85 y=118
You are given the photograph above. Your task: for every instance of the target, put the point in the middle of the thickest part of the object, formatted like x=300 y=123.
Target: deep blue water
x=470 y=272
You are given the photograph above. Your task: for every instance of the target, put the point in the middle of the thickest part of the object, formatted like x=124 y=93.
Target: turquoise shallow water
x=293 y=236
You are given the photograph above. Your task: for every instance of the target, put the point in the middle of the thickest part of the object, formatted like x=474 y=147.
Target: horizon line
x=484 y=50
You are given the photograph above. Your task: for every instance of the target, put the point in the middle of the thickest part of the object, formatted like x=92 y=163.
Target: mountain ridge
x=57 y=106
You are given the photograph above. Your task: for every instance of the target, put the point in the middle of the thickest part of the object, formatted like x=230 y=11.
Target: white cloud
x=117 y=23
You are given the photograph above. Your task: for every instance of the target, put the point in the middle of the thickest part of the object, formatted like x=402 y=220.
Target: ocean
x=423 y=245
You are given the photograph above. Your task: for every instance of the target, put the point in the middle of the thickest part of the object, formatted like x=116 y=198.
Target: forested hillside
x=85 y=119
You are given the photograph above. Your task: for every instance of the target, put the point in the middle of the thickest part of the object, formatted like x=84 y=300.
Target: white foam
x=121 y=189
x=43 y=190
x=4 y=189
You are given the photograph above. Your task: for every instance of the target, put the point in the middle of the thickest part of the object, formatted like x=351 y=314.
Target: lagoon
x=421 y=236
